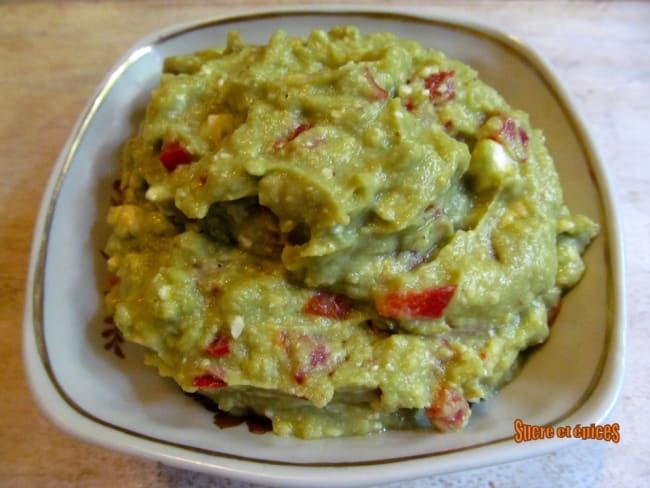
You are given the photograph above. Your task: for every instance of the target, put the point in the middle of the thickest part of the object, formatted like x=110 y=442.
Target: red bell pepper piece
x=218 y=347
x=426 y=304
x=441 y=86
x=449 y=411
x=513 y=137
x=208 y=381
x=173 y=154
x=326 y=304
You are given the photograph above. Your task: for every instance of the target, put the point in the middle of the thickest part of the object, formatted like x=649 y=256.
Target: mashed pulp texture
x=342 y=233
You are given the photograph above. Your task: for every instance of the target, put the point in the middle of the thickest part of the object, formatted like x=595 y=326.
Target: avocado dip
x=344 y=233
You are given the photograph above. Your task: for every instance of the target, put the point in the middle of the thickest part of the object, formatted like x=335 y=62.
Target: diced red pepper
x=299 y=376
x=326 y=304
x=380 y=93
x=523 y=137
x=513 y=137
x=441 y=86
x=449 y=411
x=218 y=347
x=427 y=304
x=295 y=133
x=435 y=211
x=319 y=355
x=113 y=280
x=508 y=129
x=173 y=154
x=208 y=381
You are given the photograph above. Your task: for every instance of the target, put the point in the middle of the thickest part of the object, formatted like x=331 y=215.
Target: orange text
x=527 y=432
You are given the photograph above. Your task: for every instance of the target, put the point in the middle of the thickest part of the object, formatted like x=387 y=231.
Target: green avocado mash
x=342 y=233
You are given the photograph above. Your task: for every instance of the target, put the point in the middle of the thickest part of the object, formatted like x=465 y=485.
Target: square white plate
x=119 y=403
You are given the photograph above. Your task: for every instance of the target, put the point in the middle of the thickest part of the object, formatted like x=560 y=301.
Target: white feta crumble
x=164 y=292
x=236 y=326
x=158 y=193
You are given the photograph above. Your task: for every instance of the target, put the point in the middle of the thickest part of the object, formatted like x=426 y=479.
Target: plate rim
x=601 y=396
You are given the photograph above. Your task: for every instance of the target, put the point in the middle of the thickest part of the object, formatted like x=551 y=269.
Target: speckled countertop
x=55 y=53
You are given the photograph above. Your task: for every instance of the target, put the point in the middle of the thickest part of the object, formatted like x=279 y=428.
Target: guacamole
x=344 y=233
